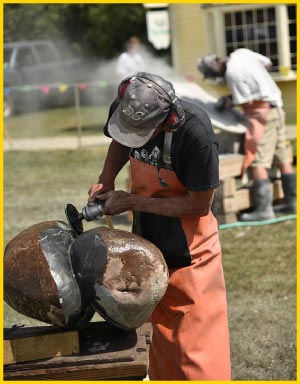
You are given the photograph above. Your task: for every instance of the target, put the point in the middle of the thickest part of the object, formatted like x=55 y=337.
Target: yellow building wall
x=187 y=34
x=191 y=32
x=288 y=89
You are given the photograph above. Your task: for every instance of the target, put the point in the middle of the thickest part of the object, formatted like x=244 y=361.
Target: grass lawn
x=259 y=262
x=260 y=272
x=45 y=181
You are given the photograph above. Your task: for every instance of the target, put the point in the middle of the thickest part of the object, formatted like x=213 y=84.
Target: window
x=292 y=34
x=46 y=53
x=269 y=29
x=7 y=55
x=253 y=29
x=25 y=58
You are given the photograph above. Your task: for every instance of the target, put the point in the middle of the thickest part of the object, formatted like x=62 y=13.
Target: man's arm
x=224 y=103
x=117 y=156
x=266 y=62
x=195 y=203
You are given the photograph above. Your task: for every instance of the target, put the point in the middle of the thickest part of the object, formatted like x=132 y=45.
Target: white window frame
x=215 y=36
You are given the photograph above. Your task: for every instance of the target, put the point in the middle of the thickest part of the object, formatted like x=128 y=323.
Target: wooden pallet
x=105 y=353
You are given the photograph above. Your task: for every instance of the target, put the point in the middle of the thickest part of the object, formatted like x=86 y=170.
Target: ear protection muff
x=176 y=116
x=123 y=85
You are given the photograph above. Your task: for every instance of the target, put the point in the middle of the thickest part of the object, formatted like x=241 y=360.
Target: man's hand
x=98 y=188
x=115 y=202
x=225 y=102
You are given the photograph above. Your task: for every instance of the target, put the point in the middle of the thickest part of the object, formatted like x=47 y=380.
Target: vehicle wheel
x=8 y=106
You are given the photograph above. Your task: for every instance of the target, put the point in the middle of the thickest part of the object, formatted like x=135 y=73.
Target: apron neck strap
x=167 y=160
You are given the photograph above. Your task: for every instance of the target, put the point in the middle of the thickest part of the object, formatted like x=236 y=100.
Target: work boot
x=262 y=202
x=289 y=191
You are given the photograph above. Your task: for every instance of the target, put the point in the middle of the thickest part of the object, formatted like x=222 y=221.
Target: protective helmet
x=122 y=275
x=209 y=66
x=38 y=277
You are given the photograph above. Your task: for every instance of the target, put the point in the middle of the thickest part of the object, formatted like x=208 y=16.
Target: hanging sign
x=158 y=28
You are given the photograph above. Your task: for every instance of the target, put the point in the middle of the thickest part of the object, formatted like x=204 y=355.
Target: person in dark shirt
x=173 y=156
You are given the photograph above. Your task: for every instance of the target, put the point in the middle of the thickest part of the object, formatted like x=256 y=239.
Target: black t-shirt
x=194 y=154
x=194 y=150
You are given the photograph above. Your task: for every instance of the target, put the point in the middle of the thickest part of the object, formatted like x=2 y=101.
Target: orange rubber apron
x=257 y=114
x=190 y=327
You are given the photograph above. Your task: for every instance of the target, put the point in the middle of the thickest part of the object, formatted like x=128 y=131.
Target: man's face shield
x=209 y=66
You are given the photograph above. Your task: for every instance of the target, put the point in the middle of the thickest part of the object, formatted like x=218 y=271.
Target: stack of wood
x=231 y=197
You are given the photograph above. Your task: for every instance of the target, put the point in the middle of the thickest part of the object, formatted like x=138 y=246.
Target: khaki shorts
x=271 y=148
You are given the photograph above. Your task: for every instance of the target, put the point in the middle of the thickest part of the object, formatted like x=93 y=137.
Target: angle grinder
x=92 y=211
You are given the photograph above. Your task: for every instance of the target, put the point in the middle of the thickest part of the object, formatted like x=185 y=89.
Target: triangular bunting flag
x=103 y=84
x=82 y=86
x=62 y=88
x=45 y=89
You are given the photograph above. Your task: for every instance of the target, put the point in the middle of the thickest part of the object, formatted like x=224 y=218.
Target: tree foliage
x=99 y=30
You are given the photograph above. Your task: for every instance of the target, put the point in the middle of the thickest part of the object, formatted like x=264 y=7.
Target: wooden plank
x=229 y=206
x=227 y=187
x=105 y=353
x=243 y=199
x=18 y=332
x=114 y=371
x=40 y=347
x=225 y=218
x=240 y=201
x=291 y=132
x=230 y=165
x=277 y=190
x=233 y=204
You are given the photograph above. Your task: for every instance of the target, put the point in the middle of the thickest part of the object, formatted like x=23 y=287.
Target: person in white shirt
x=255 y=91
x=131 y=61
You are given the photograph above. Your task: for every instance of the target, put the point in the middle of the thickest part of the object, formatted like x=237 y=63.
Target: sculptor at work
x=255 y=91
x=173 y=157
